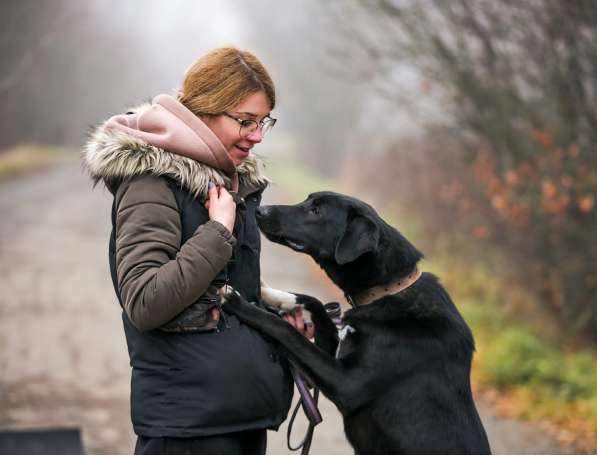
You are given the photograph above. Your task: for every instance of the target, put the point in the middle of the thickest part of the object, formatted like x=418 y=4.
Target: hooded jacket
x=165 y=253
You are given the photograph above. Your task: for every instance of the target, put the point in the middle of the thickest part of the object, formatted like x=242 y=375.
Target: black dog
x=400 y=378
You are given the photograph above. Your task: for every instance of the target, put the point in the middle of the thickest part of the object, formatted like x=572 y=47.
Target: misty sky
x=74 y=63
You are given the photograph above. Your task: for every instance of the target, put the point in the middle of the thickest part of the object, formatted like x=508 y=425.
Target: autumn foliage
x=512 y=165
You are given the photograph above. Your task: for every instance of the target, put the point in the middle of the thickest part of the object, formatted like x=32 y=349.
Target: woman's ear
x=360 y=236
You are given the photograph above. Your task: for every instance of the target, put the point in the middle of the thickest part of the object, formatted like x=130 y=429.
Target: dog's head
x=344 y=235
x=327 y=226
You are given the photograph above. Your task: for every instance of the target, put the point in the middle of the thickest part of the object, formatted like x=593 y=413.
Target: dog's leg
x=326 y=334
x=326 y=372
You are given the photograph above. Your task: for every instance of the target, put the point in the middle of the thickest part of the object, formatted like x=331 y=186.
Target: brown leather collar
x=377 y=292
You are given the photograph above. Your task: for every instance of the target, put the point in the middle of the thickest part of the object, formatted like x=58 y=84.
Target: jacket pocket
x=197 y=317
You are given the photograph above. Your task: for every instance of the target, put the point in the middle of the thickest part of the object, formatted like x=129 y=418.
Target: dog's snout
x=267 y=219
x=263 y=211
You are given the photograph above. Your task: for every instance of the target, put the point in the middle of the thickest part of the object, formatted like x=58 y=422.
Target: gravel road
x=63 y=359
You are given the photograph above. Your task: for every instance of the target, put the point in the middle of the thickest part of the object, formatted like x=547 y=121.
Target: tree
x=518 y=81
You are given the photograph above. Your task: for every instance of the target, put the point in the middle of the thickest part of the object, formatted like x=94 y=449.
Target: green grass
x=514 y=351
x=25 y=158
x=542 y=380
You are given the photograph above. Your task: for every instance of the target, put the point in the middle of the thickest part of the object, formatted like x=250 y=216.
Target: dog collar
x=377 y=292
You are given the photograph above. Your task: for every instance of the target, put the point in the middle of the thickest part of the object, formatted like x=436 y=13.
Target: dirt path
x=63 y=359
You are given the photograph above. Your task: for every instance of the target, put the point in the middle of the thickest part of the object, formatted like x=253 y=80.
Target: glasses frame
x=265 y=125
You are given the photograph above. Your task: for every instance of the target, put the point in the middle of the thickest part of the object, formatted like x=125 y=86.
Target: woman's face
x=253 y=107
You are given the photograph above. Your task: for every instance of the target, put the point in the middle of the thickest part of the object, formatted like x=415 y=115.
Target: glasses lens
x=248 y=127
x=267 y=125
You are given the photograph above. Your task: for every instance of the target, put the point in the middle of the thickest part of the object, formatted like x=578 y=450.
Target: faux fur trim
x=111 y=155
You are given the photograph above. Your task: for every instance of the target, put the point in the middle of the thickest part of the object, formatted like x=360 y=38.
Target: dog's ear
x=361 y=236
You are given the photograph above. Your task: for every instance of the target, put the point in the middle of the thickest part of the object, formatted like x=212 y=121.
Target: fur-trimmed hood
x=112 y=155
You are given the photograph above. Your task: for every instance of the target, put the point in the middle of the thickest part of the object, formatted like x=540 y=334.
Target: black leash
x=308 y=402
x=309 y=405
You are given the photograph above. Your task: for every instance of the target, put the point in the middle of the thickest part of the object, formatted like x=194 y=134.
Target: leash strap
x=309 y=405
x=308 y=402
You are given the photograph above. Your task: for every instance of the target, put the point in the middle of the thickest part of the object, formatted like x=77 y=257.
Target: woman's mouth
x=244 y=150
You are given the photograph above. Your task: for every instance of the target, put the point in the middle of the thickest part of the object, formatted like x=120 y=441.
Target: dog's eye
x=314 y=210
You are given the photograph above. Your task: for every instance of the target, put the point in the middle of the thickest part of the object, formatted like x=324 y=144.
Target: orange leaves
x=515 y=211
x=499 y=203
x=553 y=201
x=502 y=192
x=519 y=211
x=586 y=203
x=543 y=138
x=513 y=178
x=451 y=191
x=494 y=186
x=574 y=151
x=556 y=205
x=455 y=193
x=483 y=167
x=541 y=187
x=551 y=182
x=548 y=189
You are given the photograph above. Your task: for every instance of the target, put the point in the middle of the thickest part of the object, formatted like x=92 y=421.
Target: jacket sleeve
x=157 y=277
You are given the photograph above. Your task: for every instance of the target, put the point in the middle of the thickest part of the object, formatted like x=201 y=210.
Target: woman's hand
x=296 y=320
x=221 y=206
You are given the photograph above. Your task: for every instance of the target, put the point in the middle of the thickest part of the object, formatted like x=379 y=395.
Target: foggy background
x=470 y=125
x=68 y=65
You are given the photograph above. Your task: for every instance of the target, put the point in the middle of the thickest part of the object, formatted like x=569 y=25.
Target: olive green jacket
x=157 y=275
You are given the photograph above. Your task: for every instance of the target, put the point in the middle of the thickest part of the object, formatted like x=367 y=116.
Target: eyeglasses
x=248 y=127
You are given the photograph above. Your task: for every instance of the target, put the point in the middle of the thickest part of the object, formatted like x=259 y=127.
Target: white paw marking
x=226 y=292
x=284 y=301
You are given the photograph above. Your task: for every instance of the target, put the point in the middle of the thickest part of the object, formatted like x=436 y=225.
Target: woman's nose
x=256 y=136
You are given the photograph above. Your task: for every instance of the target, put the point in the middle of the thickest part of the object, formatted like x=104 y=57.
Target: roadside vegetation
x=24 y=158
x=522 y=366
x=507 y=160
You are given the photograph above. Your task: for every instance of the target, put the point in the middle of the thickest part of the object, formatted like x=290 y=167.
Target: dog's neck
x=377 y=292
x=395 y=258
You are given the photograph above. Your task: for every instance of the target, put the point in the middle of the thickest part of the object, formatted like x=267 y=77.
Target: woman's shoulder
x=146 y=188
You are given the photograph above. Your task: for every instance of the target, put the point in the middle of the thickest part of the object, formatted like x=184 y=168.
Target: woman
x=186 y=186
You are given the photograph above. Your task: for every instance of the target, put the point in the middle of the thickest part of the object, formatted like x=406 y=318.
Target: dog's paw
x=228 y=295
x=282 y=301
x=309 y=303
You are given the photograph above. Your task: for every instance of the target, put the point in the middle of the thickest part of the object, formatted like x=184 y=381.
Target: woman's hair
x=221 y=79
